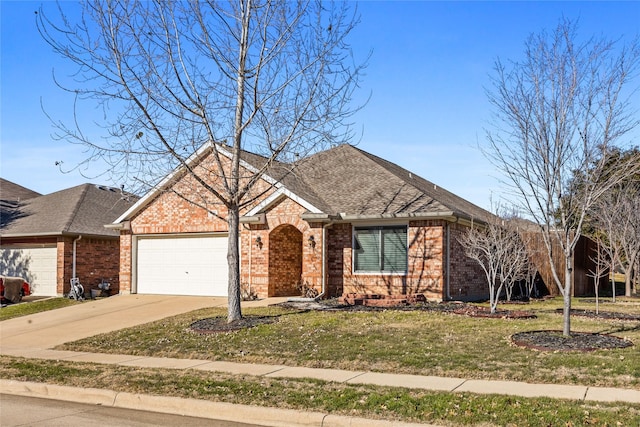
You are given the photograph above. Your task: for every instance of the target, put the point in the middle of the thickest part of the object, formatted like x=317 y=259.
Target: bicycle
x=77 y=290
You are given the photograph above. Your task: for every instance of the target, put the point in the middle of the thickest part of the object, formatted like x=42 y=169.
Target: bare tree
x=179 y=80
x=617 y=223
x=500 y=252
x=630 y=233
x=557 y=111
x=601 y=267
x=515 y=261
x=530 y=274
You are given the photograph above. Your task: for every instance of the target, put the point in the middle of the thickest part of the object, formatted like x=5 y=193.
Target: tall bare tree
x=273 y=77
x=557 y=111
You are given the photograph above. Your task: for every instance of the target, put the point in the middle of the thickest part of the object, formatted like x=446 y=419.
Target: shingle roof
x=12 y=192
x=352 y=181
x=347 y=180
x=83 y=209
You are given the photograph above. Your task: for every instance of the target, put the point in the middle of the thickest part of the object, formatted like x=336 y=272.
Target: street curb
x=272 y=417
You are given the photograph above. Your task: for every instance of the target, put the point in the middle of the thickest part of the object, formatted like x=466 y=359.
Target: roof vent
x=105 y=188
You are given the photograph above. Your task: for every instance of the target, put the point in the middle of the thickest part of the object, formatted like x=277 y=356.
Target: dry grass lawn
x=415 y=342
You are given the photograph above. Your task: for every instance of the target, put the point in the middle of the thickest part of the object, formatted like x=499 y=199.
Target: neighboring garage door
x=36 y=265
x=182 y=265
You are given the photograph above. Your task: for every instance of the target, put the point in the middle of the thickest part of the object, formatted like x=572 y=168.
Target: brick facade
x=284 y=250
x=467 y=280
x=96 y=259
x=286 y=257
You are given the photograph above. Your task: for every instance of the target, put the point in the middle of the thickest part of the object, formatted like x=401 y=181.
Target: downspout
x=447 y=262
x=250 y=258
x=324 y=254
x=73 y=271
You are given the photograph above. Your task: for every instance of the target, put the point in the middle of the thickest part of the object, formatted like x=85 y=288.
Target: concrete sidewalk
x=34 y=337
x=433 y=383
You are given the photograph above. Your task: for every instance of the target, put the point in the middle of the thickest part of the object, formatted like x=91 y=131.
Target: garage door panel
x=36 y=265
x=182 y=265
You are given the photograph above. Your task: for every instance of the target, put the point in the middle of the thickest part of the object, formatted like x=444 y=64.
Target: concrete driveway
x=22 y=335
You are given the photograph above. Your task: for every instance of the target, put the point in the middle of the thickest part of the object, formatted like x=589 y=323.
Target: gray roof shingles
x=83 y=209
x=352 y=181
x=12 y=192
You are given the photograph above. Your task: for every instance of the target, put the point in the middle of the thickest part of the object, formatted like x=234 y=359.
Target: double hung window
x=380 y=249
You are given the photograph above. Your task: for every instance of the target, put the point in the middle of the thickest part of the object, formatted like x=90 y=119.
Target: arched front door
x=285 y=261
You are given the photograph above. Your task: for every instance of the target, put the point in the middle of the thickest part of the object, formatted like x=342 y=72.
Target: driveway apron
x=48 y=329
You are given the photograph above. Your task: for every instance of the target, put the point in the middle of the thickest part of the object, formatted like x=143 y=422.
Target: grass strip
x=391 y=403
x=24 y=309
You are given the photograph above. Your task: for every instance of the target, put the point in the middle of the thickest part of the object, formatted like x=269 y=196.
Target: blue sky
x=427 y=76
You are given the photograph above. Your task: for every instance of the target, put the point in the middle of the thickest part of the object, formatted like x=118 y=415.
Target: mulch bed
x=605 y=315
x=442 y=307
x=214 y=325
x=577 y=341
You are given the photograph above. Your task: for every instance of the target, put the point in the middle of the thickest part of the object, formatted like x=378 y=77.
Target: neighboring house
x=48 y=239
x=341 y=221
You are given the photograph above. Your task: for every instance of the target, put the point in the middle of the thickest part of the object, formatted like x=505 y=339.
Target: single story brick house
x=340 y=221
x=48 y=239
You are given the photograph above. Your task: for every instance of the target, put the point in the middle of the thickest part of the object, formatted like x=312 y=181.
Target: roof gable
x=342 y=181
x=250 y=161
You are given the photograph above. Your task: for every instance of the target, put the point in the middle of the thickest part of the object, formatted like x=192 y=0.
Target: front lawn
x=415 y=342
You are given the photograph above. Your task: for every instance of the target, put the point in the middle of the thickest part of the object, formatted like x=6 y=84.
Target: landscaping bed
x=577 y=341
x=605 y=315
x=212 y=325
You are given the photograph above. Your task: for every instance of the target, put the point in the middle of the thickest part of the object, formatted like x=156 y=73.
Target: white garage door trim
x=182 y=264
x=36 y=264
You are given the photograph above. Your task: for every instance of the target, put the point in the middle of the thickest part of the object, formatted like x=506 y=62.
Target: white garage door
x=184 y=265
x=36 y=265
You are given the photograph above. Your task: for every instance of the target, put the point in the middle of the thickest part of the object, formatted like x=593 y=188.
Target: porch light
x=312 y=242
x=259 y=242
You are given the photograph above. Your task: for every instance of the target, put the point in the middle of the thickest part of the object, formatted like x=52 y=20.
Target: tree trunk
x=629 y=275
x=233 y=261
x=566 y=309
x=597 y=280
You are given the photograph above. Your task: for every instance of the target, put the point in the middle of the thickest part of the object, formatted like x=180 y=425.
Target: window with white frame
x=380 y=249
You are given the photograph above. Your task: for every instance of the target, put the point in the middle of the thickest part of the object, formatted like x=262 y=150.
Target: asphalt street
x=34 y=412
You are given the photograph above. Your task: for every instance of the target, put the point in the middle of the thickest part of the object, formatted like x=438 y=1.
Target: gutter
x=447 y=284
x=63 y=233
x=445 y=215
x=124 y=225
